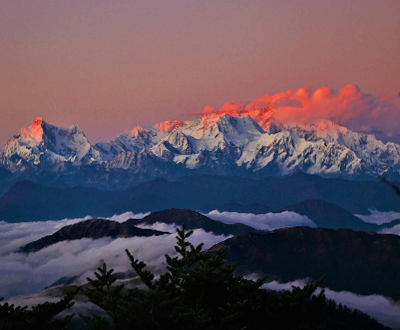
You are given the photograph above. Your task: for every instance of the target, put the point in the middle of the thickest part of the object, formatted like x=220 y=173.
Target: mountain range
x=242 y=161
x=242 y=143
x=29 y=201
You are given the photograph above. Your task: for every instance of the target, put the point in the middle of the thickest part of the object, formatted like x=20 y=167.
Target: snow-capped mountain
x=250 y=142
x=47 y=145
x=139 y=139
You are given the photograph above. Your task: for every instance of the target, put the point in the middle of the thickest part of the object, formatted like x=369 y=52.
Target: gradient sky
x=108 y=66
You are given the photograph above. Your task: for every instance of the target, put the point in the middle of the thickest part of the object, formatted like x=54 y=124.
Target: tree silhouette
x=198 y=291
x=41 y=316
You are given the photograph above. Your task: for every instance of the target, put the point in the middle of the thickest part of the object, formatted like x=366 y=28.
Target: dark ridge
x=193 y=220
x=361 y=262
x=94 y=228
x=28 y=201
x=389 y=224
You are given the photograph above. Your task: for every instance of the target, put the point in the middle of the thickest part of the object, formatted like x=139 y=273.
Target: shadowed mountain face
x=193 y=220
x=360 y=262
x=94 y=228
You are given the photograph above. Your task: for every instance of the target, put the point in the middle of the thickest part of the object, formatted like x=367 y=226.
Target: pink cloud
x=232 y=106
x=206 y=109
x=348 y=106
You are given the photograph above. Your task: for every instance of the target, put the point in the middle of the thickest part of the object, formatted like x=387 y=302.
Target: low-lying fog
x=24 y=274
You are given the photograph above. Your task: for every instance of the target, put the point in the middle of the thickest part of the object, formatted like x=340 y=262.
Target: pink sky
x=109 y=66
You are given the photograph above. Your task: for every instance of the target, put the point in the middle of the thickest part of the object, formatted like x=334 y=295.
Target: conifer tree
x=40 y=316
x=198 y=291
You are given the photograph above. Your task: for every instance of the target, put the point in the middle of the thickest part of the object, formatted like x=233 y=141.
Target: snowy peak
x=324 y=129
x=180 y=142
x=168 y=125
x=139 y=139
x=144 y=131
x=210 y=124
x=227 y=142
x=34 y=132
x=51 y=144
x=382 y=156
x=262 y=116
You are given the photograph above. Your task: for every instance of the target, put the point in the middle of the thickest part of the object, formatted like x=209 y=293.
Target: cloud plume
x=269 y=221
x=379 y=217
x=348 y=106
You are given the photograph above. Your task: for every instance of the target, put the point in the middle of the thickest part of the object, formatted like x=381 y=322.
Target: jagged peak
x=262 y=116
x=33 y=132
x=138 y=130
x=168 y=125
x=39 y=127
x=38 y=121
x=328 y=130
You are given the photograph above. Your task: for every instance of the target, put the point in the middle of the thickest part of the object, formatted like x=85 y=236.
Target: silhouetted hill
x=27 y=201
x=199 y=192
x=361 y=262
x=94 y=228
x=329 y=215
x=193 y=220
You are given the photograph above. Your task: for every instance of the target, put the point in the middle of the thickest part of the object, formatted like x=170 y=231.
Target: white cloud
x=268 y=221
x=22 y=274
x=394 y=230
x=128 y=215
x=160 y=226
x=379 y=217
x=384 y=309
x=15 y=235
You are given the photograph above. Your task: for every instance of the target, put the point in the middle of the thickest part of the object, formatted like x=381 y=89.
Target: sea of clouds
x=24 y=274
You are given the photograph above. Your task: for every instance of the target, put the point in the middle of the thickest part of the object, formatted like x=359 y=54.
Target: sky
x=108 y=66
